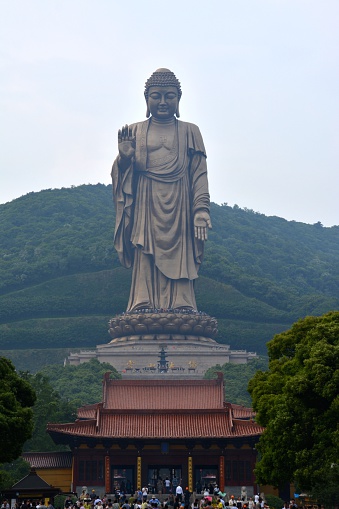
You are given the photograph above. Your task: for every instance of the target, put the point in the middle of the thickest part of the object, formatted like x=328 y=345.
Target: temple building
x=147 y=430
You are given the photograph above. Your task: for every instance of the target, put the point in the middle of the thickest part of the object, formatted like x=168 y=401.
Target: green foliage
x=80 y=384
x=10 y=473
x=326 y=489
x=283 y=263
x=224 y=301
x=247 y=335
x=16 y=418
x=60 y=391
x=236 y=378
x=297 y=400
x=59 y=500
x=274 y=502
x=76 y=331
x=70 y=296
x=35 y=360
x=49 y=407
x=54 y=233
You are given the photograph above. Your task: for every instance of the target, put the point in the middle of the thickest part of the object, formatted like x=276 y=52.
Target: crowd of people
x=181 y=311
x=181 y=499
x=27 y=504
x=175 y=498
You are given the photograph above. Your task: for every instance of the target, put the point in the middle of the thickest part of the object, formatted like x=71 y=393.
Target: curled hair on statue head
x=162 y=78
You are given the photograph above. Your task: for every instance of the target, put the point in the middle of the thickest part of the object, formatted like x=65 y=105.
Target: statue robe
x=155 y=202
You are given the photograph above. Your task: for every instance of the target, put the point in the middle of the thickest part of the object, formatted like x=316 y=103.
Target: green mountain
x=61 y=281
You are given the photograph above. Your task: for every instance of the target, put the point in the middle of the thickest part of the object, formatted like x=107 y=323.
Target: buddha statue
x=161 y=199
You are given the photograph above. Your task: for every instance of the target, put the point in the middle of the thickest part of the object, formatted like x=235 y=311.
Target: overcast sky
x=259 y=77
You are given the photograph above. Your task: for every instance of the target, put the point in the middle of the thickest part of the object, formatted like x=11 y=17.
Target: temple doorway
x=158 y=475
x=122 y=478
x=206 y=478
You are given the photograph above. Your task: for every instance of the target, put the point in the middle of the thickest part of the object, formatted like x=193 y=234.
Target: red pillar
x=222 y=473
x=107 y=475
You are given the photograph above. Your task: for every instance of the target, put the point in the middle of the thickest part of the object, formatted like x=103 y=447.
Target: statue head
x=162 y=81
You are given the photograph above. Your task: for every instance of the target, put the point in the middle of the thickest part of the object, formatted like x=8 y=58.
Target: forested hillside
x=60 y=279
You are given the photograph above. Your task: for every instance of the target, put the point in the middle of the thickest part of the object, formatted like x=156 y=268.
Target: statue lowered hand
x=202 y=223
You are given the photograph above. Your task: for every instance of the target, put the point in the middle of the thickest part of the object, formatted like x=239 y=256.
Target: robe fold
x=155 y=202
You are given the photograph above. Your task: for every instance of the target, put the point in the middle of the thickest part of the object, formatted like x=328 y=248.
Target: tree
x=60 y=390
x=16 y=417
x=82 y=384
x=297 y=401
x=11 y=473
x=49 y=407
x=236 y=378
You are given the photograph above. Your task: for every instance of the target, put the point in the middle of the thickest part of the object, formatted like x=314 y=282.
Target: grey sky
x=259 y=77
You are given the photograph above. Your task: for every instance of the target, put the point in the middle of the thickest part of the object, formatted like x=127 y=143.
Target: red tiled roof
x=88 y=411
x=160 y=426
x=161 y=409
x=164 y=394
x=242 y=428
x=242 y=412
x=48 y=459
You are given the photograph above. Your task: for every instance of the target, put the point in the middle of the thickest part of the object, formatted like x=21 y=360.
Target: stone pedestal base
x=138 y=338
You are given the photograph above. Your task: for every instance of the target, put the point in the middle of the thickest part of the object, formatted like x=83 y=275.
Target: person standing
x=160 y=485
x=187 y=496
x=167 y=485
x=179 y=492
x=175 y=483
x=126 y=505
x=144 y=493
x=154 y=502
x=68 y=502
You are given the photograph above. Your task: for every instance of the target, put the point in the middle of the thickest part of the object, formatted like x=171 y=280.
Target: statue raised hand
x=126 y=146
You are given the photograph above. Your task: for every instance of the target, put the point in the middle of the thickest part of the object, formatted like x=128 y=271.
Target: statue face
x=163 y=102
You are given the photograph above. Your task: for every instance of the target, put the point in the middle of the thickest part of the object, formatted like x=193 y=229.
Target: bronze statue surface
x=161 y=198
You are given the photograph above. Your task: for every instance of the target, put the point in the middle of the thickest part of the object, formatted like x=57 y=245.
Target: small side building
x=146 y=430
x=32 y=487
x=54 y=468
